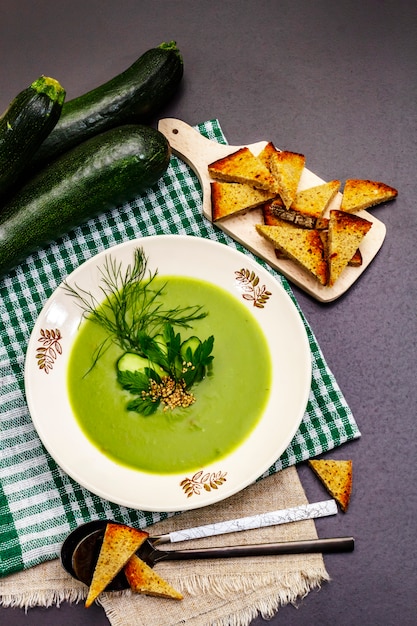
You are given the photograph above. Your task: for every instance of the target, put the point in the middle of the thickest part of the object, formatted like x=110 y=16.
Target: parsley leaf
x=185 y=363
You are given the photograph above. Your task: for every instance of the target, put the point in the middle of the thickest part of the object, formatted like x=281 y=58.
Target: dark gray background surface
x=338 y=82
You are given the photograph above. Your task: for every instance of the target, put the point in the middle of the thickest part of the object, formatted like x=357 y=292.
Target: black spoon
x=79 y=552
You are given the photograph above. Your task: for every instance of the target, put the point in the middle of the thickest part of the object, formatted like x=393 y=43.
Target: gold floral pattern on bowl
x=48 y=352
x=252 y=290
x=202 y=481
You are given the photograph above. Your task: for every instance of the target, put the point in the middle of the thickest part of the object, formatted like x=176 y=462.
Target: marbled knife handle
x=294 y=514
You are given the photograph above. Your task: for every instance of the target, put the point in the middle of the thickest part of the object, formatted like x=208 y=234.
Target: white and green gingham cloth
x=39 y=503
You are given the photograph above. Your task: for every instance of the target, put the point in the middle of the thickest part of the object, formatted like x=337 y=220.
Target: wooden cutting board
x=198 y=151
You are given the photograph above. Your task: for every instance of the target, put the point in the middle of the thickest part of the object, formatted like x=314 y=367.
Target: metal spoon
x=80 y=551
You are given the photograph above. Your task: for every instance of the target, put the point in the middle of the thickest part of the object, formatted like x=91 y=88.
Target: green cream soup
x=229 y=401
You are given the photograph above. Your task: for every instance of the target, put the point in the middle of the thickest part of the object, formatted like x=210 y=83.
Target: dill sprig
x=131 y=309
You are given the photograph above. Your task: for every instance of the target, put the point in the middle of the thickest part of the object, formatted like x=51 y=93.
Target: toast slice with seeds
x=143 y=579
x=303 y=246
x=265 y=155
x=287 y=168
x=315 y=200
x=363 y=194
x=274 y=212
x=336 y=476
x=243 y=166
x=345 y=234
x=119 y=543
x=273 y=216
x=233 y=198
x=355 y=261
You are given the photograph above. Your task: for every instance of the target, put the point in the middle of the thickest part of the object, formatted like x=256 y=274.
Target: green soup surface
x=229 y=401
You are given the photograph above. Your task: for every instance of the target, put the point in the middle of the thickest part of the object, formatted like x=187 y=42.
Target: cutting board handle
x=198 y=152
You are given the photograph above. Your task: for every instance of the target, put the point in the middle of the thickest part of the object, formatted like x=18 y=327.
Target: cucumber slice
x=132 y=362
x=160 y=341
x=188 y=347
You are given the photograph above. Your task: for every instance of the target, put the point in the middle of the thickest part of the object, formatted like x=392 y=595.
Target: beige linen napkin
x=227 y=592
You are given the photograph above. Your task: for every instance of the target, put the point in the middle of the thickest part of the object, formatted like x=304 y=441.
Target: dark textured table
x=338 y=82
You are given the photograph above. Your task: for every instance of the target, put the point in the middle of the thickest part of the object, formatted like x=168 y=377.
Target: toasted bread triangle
x=315 y=200
x=233 y=198
x=266 y=153
x=287 y=168
x=275 y=213
x=243 y=166
x=119 y=543
x=143 y=579
x=346 y=232
x=336 y=476
x=303 y=221
x=362 y=194
x=303 y=246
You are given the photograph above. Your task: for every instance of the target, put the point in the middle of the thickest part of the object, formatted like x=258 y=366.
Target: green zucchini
x=131 y=97
x=25 y=124
x=95 y=176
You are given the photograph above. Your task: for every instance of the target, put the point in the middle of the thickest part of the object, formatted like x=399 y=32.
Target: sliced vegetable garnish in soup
x=226 y=383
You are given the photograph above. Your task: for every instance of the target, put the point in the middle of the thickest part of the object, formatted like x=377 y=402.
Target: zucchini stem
x=51 y=87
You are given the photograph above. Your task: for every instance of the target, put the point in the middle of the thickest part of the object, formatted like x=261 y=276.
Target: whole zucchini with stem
x=25 y=124
x=131 y=97
x=95 y=176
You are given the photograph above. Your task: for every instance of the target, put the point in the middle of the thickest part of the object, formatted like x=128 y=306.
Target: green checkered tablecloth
x=39 y=503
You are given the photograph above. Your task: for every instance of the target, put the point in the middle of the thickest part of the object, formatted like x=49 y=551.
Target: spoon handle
x=334 y=544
